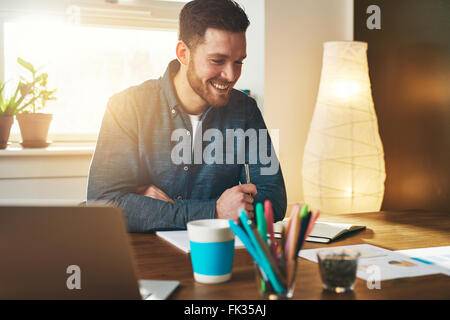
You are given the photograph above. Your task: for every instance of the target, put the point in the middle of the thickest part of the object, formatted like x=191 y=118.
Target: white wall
x=295 y=31
x=56 y=174
x=253 y=69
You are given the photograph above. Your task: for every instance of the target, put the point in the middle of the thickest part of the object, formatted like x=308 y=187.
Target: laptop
x=70 y=252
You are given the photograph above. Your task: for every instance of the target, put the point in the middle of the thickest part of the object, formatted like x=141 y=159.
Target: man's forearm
x=144 y=214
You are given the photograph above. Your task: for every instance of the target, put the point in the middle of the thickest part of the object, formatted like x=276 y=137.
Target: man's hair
x=199 y=15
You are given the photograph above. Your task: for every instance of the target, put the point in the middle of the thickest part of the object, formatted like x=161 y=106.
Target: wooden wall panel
x=409 y=61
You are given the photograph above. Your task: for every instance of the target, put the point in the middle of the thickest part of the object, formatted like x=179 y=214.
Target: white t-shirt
x=195 y=119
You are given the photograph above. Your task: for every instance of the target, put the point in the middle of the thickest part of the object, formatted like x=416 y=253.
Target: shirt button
x=186 y=168
x=173 y=111
x=179 y=197
x=188 y=133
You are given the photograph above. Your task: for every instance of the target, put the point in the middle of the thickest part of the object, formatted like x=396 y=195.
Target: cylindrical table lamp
x=343 y=163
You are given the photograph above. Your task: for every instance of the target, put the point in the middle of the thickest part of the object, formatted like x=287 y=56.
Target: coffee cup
x=212 y=250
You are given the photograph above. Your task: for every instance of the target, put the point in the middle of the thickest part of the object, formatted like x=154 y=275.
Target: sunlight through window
x=87 y=65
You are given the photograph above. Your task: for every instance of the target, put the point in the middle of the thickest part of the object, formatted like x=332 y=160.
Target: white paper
x=391 y=264
x=180 y=239
x=437 y=256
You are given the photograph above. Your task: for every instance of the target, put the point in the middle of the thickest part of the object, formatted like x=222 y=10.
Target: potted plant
x=34 y=125
x=9 y=107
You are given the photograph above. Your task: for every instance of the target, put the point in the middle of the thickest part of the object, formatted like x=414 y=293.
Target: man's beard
x=204 y=91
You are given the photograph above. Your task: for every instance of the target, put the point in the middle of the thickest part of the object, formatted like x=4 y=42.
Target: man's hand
x=233 y=199
x=154 y=192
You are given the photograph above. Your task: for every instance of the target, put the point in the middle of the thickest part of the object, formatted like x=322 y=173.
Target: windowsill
x=55 y=149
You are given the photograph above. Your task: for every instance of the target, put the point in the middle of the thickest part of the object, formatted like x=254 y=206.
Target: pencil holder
x=265 y=288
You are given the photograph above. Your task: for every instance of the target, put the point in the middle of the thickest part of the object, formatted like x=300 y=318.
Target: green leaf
x=26 y=65
x=36 y=90
x=40 y=78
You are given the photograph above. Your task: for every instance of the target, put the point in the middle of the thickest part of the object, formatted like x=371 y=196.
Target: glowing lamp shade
x=343 y=163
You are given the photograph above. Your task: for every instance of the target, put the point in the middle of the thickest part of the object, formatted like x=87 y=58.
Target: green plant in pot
x=34 y=125
x=9 y=107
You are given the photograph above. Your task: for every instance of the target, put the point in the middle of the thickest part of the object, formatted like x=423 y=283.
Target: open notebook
x=323 y=232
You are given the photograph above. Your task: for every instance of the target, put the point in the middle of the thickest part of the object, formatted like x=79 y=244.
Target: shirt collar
x=169 y=90
x=167 y=84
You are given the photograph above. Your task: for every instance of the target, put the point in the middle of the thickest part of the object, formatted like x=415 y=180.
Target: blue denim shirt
x=135 y=147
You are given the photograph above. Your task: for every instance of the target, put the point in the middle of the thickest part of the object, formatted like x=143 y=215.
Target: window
x=87 y=65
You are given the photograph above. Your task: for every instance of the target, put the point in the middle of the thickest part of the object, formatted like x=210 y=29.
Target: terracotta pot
x=34 y=129
x=5 y=128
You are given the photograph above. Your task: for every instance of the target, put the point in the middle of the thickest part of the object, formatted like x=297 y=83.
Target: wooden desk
x=157 y=259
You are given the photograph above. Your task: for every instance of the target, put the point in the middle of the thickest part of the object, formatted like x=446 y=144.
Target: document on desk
x=180 y=239
x=437 y=256
x=387 y=264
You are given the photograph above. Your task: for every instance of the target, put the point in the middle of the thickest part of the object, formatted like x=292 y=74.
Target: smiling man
x=211 y=69
x=135 y=164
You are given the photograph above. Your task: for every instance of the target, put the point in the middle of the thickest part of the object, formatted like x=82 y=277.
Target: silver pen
x=247 y=178
x=247 y=173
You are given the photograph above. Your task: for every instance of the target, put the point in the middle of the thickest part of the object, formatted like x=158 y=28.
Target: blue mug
x=212 y=250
